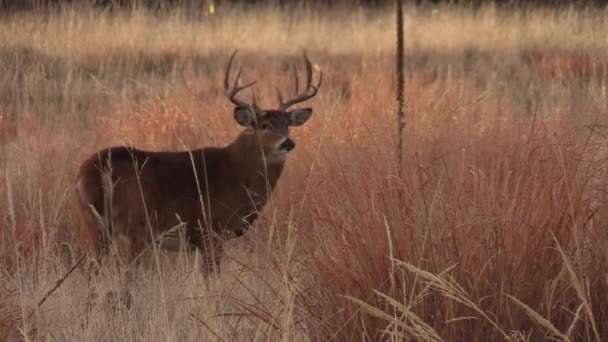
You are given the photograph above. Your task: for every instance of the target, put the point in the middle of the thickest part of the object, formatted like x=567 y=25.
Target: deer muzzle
x=287 y=145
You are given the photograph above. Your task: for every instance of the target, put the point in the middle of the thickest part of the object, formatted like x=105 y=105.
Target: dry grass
x=497 y=231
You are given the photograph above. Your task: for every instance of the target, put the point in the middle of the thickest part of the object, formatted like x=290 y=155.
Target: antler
x=311 y=89
x=231 y=91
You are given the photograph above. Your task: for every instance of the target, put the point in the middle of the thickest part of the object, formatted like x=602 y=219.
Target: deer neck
x=250 y=165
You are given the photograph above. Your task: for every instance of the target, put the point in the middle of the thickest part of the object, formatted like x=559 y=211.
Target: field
x=495 y=227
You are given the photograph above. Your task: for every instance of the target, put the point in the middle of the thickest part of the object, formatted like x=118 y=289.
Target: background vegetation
x=496 y=231
x=320 y=4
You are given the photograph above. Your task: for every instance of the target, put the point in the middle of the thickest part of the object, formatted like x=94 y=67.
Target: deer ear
x=243 y=116
x=299 y=116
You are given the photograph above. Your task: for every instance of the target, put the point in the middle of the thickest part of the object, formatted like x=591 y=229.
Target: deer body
x=214 y=192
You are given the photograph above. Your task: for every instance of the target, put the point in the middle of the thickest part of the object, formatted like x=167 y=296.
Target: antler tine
x=227 y=76
x=254 y=103
x=236 y=88
x=309 y=74
x=311 y=89
x=296 y=80
x=320 y=79
x=231 y=92
x=237 y=80
x=308 y=70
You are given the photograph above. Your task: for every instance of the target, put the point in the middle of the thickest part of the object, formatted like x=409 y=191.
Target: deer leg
x=130 y=240
x=211 y=250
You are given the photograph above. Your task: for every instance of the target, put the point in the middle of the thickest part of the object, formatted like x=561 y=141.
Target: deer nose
x=288 y=145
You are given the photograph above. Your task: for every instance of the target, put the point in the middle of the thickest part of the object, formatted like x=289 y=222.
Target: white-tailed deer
x=130 y=197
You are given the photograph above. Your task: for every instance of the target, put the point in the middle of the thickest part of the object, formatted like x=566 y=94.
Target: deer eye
x=264 y=125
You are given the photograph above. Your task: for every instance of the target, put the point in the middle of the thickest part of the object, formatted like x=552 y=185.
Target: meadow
x=495 y=228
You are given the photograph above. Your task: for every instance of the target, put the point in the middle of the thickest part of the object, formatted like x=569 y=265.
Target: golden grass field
x=497 y=229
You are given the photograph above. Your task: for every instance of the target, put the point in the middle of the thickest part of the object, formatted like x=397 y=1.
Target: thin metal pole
x=400 y=85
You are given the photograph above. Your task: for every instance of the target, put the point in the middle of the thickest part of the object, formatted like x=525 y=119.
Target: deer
x=129 y=197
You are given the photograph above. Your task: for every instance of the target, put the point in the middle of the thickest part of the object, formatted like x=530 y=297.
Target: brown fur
x=216 y=191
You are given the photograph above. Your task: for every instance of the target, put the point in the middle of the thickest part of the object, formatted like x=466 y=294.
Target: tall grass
x=495 y=231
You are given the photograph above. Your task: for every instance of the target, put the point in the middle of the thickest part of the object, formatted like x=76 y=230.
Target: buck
x=130 y=198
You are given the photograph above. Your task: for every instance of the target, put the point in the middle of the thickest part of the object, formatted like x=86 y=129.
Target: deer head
x=271 y=126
